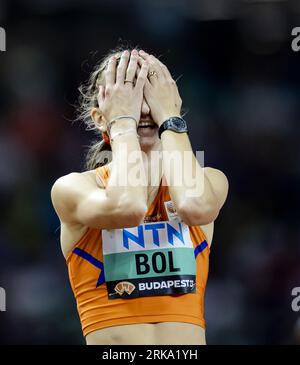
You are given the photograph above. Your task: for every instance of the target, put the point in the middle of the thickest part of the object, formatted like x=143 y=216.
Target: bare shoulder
x=66 y=184
x=67 y=188
x=74 y=177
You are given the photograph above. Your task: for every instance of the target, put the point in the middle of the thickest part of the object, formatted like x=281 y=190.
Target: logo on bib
x=170 y=209
x=124 y=286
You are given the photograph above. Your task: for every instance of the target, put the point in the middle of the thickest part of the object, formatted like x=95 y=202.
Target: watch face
x=175 y=124
x=178 y=123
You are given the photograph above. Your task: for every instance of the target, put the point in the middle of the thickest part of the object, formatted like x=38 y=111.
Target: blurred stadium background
x=240 y=83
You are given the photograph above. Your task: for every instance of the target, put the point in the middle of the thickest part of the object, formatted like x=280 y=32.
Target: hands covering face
x=121 y=96
x=137 y=76
x=160 y=90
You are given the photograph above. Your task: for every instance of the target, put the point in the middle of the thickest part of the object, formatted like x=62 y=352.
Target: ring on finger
x=152 y=73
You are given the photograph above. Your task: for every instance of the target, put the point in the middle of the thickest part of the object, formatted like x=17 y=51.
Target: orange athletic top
x=155 y=272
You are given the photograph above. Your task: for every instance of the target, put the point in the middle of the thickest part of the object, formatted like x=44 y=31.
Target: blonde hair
x=99 y=153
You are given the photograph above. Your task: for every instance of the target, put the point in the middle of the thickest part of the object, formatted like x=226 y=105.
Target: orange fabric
x=96 y=311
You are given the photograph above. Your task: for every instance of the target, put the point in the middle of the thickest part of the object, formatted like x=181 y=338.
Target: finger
x=152 y=74
x=155 y=66
x=155 y=69
x=165 y=70
x=110 y=73
x=143 y=54
x=169 y=77
x=138 y=69
x=147 y=87
x=132 y=66
x=140 y=82
x=122 y=67
x=147 y=57
x=140 y=61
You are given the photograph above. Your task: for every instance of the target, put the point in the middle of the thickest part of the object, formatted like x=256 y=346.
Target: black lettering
x=171 y=263
x=163 y=262
x=141 y=259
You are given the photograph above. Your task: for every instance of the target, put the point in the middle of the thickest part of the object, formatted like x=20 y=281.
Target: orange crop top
x=155 y=272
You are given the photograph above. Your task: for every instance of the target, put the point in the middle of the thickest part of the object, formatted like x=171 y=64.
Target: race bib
x=150 y=259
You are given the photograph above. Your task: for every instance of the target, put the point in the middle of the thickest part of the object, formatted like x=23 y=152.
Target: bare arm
x=200 y=192
x=76 y=197
x=209 y=186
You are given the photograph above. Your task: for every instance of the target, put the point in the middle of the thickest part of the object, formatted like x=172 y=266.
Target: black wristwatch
x=175 y=124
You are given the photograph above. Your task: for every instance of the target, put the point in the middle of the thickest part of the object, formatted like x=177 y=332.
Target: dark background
x=240 y=83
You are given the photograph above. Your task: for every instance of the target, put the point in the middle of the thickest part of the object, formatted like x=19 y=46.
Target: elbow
x=193 y=215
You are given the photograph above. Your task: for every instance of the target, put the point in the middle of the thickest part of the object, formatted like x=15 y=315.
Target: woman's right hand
x=119 y=97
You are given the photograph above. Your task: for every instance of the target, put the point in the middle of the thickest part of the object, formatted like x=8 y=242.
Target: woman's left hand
x=160 y=90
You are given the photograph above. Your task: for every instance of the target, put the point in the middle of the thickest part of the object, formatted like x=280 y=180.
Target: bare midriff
x=164 y=333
